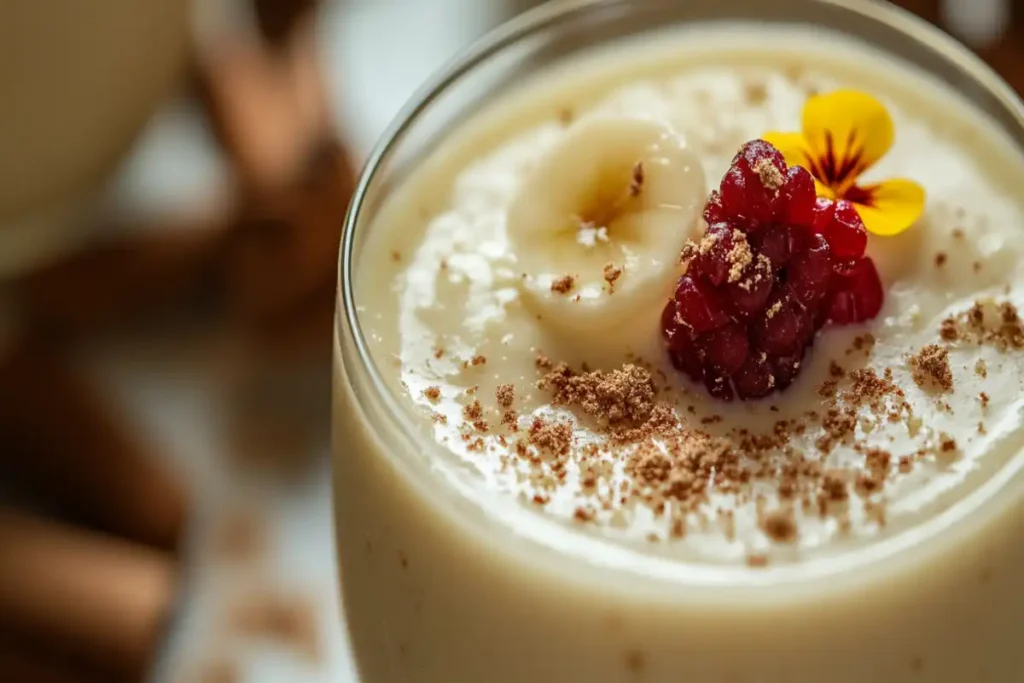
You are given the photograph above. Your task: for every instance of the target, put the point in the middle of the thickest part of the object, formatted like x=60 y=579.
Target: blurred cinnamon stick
x=56 y=433
x=286 y=248
x=119 y=282
x=94 y=599
x=302 y=332
x=277 y=19
x=268 y=109
x=18 y=665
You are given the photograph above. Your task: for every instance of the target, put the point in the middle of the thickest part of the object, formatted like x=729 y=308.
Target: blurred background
x=173 y=177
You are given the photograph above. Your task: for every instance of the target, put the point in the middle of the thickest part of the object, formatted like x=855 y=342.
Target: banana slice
x=598 y=226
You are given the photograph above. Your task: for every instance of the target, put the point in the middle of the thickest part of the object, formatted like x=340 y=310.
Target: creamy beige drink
x=570 y=507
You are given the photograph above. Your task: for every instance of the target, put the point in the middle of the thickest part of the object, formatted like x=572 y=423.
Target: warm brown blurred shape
x=1005 y=53
x=86 y=595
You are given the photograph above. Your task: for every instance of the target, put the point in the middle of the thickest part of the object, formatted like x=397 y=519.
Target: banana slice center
x=606 y=211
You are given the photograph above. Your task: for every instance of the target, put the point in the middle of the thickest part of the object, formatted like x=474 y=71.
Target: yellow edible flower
x=844 y=133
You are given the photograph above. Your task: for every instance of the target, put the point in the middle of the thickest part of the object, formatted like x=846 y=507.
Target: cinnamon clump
x=505 y=394
x=740 y=256
x=876 y=468
x=432 y=393
x=770 y=176
x=636 y=181
x=473 y=411
x=622 y=400
x=987 y=322
x=553 y=437
x=779 y=525
x=839 y=425
x=611 y=275
x=474 y=414
x=930 y=368
x=564 y=284
x=947 y=444
x=949 y=330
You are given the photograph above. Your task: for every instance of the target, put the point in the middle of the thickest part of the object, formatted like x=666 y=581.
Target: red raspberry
x=750 y=189
x=711 y=260
x=824 y=209
x=857 y=293
x=755 y=379
x=718 y=385
x=748 y=293
x=779 y=244
x=774 y=266
x=798 y=198
x=810 y=271
x=726 y=348
x=699 y=306
x=845 y=233
x=713 y=210
x=786 y=368
x=781 y=327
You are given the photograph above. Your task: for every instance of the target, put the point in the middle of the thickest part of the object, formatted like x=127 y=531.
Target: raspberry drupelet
x=774 y=266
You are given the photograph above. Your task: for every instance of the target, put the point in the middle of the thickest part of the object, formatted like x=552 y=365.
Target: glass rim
x=550 y=13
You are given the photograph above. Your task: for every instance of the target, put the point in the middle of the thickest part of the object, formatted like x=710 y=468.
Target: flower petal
x=891 y=206
x=792 y=145
x=846 y=131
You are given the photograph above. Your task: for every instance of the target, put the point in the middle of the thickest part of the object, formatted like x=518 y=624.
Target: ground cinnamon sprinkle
x=878 y=460
x=740 y=256
x=780 y=526
x=757 y=560
x=564 y=284
x=833 y=487
x=620 y=396
x=839 y=426
x=473 y=411
x=864 y=343
x=633 y=447
x=432 y=393
x=582 y=514
x=770 y=176
x=949 y=330
x=505 y=395
x=877 y=392
x=510 y=419
x=636 y=182
x=930 y=368
x=551 y=437
x=473 y=414
x=995 y=323
x=947 y=444
x=611 y=274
